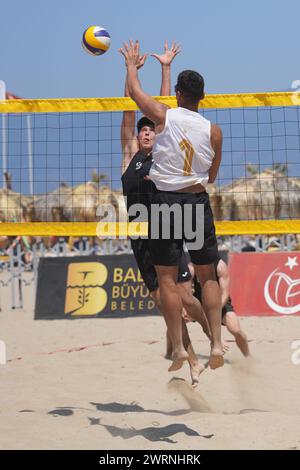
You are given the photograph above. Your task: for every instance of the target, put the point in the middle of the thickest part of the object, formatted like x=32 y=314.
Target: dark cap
x=144 y=121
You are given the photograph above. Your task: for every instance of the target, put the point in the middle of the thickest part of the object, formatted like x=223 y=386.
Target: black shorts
x=141 y=250
x=167 y=252
x=228 y=307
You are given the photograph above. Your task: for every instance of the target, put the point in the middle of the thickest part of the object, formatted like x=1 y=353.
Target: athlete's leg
x=211 y=301
x=194 y=309
x=155 y=294
x=195 y=365
x=193 y=306
x=169 y=347
x=191 y=269
x=171 y=307
x=232 y=323
x=203 y=260
x=196 y=368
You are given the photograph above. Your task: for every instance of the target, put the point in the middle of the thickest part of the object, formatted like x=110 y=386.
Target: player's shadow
x=65 y=411
x=135 y=408
x=153 y=434
x=62 y=411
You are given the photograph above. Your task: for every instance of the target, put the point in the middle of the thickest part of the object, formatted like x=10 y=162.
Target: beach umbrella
x=266 y=195
x=50 y=207
x=12 y=205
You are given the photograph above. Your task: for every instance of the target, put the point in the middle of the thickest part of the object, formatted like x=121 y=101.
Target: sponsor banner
x=91 y=286
x=265 y=283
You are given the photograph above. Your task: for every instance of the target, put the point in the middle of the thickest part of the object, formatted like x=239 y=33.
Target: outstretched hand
x=131 y=52
x=169 y=54
x=142 y=60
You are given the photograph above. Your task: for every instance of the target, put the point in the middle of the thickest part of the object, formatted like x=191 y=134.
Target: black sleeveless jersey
x=135 y=187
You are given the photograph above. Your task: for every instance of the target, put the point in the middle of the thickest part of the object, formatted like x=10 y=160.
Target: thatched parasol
x=267 y=195
x=13 y=205
x=215 y=201
x=50 y=207
x=119 y=203
x=85 y=199
x=73 y=204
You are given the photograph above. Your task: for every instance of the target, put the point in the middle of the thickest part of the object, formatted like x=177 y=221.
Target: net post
x=4 y=133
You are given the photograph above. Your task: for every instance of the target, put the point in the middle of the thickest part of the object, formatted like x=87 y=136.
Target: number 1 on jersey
x=189 y=153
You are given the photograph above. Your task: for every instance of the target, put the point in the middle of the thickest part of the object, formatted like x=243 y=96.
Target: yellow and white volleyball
x=96 y=40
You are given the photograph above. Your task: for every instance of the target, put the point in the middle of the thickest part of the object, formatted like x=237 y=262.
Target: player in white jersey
x=137 y=161
x=187 y=155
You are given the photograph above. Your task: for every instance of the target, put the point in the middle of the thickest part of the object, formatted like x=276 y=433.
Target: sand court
x=103 y=384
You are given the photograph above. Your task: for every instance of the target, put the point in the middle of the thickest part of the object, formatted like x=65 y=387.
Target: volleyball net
x=62 y=159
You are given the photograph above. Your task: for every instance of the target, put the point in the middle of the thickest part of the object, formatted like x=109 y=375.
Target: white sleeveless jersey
x=182 y=152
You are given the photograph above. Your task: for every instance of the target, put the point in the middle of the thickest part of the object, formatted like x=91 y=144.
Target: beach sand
x=103 y=384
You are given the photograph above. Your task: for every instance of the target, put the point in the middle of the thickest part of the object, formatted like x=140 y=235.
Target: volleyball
x=96 y=40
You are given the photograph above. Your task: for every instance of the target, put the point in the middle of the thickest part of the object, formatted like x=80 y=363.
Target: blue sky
x=238 y=46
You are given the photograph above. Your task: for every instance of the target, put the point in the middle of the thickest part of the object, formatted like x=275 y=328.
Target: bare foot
x=196 y=368
x=242 y=343
x=178 y=360
x=216 y=358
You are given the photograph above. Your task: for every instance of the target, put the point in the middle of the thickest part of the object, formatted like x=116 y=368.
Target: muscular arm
x=128 y=139
x=149 y=107
x=165 y=88
x=166 y=59
x=216 y=139
x=152 y=109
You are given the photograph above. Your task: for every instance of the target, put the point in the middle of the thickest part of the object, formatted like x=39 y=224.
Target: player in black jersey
x=137 y=161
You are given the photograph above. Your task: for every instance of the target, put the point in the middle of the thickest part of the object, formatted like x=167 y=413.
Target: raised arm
x=216 y=140
x=128 y=137
x=165 y=60
x=152 y=109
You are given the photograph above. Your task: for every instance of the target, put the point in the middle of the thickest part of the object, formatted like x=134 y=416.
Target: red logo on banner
x=270 y=283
